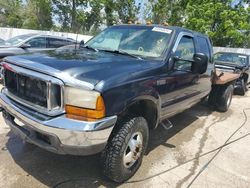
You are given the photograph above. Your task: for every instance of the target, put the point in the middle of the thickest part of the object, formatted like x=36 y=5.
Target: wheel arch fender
x=147 y=106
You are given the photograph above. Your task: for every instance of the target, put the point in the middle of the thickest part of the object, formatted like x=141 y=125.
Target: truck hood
x=86 y=66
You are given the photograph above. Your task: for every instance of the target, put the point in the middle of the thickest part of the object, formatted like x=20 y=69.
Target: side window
x=185 y=50
x=56 y=43
x=204 y=47
x=38 y=42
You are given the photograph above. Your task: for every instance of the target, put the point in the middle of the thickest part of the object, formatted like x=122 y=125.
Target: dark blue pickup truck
x=107 y=95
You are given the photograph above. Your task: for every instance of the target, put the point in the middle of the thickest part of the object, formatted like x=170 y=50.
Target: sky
x=235 y=2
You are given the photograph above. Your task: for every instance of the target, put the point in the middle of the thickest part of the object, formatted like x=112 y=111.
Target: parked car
x=71 y=47
x=107 y=95
x=32 y=43
x=68 y=48
x=235 y=62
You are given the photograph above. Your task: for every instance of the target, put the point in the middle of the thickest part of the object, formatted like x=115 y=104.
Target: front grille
x=27 y=88
x=35 y=90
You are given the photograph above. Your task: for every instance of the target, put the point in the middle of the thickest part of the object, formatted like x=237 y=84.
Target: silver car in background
x=30 y=43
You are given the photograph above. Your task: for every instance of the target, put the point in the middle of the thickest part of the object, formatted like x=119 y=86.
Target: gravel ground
x=203 y=149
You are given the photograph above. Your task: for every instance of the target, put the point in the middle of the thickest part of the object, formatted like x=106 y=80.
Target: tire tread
x=114 y=148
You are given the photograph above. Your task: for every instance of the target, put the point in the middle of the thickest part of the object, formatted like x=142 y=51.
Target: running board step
x=167 y=124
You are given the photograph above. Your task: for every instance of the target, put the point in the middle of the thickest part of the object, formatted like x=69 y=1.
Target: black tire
x=224 y=98
x=212 y=98
x=113 y=155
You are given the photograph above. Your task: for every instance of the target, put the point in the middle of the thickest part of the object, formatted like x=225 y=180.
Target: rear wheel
x=224 y=98
x=124 y=152
x=213 y=96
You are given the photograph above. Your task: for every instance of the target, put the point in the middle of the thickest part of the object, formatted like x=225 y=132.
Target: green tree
x=222 y=22
x=66 y=12
x=119 y=11
x=78 y=16
x=38 y=14
x=127 y=10
x=93 y=17
x=110 y=8
x=160 y=11
x=11 y=12
x=170 y=11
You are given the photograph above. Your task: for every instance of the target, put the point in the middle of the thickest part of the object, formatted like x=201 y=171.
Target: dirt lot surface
x=203 y=149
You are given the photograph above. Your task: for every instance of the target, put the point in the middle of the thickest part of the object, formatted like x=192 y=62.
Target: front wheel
x=124 y=152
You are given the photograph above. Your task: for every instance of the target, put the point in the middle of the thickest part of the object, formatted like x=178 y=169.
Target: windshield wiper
x=91 y=48
x=123 y=53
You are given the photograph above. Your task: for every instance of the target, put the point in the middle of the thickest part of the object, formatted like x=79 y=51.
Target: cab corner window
x=204 y=47
x=185 y=52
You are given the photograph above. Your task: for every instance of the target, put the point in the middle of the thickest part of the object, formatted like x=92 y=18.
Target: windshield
x=139 y=41
x=237 y=59
x=17 y=40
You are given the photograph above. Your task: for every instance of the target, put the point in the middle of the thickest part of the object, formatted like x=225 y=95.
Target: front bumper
x=58 y=134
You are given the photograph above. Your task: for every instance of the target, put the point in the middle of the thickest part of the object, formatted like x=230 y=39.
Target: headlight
x=80 y=97
x=83 y=104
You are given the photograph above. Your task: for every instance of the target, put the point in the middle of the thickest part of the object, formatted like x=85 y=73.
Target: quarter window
x=204 y=46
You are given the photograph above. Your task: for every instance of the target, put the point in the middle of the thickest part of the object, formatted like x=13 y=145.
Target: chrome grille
x=27 y=88
x=35 y=90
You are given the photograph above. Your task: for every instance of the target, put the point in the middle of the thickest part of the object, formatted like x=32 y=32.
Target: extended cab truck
x=106 y=96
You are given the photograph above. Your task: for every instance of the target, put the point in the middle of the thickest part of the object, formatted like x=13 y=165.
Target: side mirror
x=24 y=46
x=200 y=63
x=81 y=44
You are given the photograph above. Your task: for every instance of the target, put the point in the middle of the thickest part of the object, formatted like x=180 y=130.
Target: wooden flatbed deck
x=221 y=78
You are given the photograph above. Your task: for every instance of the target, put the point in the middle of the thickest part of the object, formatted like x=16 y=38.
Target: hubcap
x=133 y=150
x=229 y=99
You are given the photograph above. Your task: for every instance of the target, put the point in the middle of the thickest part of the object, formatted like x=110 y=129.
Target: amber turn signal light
x=86 y=114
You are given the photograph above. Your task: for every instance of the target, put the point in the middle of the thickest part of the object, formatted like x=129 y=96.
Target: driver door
x=183 y=84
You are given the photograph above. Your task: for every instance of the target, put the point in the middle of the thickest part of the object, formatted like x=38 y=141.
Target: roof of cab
x=175 y=28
